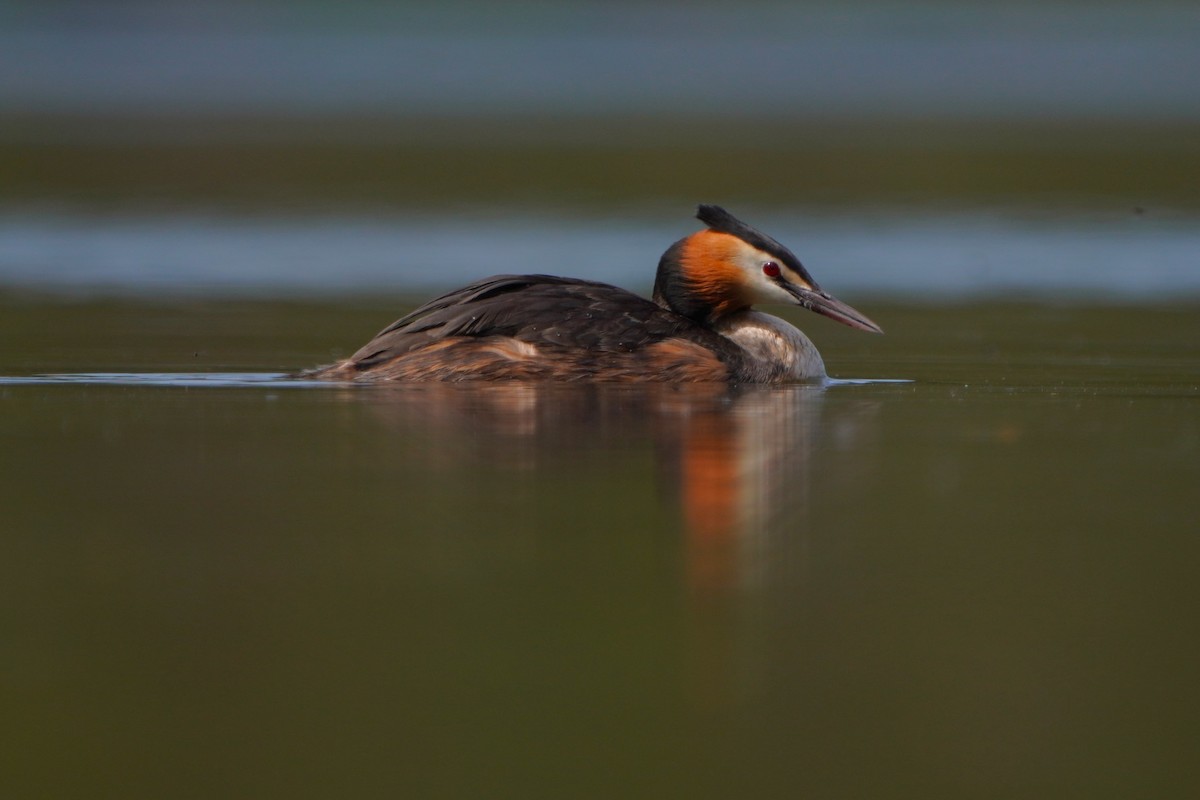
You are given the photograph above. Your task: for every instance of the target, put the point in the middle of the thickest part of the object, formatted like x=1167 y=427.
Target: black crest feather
x=720 y=220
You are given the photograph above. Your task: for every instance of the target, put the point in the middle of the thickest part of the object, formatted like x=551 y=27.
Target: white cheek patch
x=774 y=293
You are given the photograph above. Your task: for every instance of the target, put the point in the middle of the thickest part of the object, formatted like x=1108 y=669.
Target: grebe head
x=730 y=266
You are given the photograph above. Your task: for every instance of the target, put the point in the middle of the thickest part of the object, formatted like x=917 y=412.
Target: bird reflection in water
x=740 y=469
x=736 y=464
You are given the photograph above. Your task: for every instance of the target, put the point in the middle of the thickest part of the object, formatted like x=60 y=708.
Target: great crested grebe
x=699 y=326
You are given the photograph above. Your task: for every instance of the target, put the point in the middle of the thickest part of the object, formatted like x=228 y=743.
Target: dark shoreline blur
x=589 y=162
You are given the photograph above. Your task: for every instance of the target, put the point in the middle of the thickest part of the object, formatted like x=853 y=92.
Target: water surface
x=975 y=583
x=1085 y=60
x=1119 y=252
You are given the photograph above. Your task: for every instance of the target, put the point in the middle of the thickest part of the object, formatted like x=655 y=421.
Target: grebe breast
x=775 y=350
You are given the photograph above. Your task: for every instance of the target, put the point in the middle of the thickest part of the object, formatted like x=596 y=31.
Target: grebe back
x=698 y=326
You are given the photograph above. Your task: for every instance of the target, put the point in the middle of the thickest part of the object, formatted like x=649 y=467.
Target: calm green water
x=979 y=583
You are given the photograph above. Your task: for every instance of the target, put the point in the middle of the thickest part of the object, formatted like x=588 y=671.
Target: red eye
x=771 y=269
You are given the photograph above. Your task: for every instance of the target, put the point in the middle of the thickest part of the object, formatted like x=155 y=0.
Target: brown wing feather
x=558 y=313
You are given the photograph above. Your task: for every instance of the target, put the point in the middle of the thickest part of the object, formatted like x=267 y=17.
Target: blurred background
x=910 y=149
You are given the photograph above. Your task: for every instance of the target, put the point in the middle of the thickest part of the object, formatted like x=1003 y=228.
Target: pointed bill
x=827 y=305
